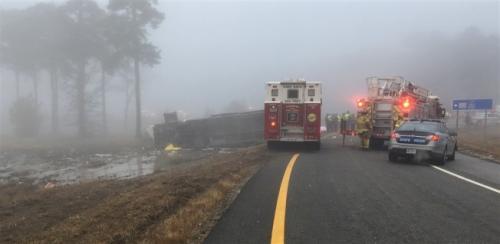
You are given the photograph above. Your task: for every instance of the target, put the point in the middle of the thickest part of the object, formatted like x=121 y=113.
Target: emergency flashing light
x=361 y=103
x=406 y=103
x=273 y=123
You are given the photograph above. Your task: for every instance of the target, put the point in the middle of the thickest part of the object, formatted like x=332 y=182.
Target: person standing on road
x=345 y=128
x=363 y=128
x=397 y=117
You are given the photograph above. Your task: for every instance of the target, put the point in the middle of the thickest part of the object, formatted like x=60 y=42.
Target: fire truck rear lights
x=273 y=124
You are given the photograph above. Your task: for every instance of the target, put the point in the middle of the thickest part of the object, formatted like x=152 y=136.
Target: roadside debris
x=171 y=148
x=49 y=185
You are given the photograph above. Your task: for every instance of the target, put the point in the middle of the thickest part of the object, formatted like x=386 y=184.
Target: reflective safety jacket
x=363 y=124
x=397 y=117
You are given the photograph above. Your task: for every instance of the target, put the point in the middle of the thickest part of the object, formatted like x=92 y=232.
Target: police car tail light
x=433 y=137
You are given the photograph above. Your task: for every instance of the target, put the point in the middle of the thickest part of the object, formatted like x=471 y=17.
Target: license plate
x=411 y=151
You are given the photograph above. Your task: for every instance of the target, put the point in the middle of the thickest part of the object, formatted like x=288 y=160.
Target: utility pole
x=485 y=124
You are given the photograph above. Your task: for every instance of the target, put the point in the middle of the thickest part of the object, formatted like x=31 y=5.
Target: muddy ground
x=42 y=167
x=481 y=143
x=174 y=204
x=71 y=161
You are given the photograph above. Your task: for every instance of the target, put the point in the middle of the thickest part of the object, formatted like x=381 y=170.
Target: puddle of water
x=134 y=167
x=67 y=169
x=70 y=170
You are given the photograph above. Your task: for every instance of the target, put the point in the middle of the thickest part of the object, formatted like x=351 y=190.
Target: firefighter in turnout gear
x=397 y=117
x=364 y=123
x=345 y=125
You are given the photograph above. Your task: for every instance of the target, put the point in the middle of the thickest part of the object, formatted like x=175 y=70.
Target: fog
x=218 y=54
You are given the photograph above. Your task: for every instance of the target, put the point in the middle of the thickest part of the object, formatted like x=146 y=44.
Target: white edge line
x=466 y=179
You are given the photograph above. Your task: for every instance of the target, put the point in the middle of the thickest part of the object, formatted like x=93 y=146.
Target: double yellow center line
x=278 y=234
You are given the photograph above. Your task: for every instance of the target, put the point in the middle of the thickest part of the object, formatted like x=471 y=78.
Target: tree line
x=72 y=41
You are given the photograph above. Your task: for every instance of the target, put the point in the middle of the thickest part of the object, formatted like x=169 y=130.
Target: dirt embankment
x=479 y=142
x=173 y=206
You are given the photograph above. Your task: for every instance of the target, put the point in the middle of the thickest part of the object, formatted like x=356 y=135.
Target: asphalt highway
x=342 y=194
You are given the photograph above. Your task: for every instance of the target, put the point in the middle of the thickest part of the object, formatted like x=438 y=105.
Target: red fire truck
x=392 y=100
x=292 y=113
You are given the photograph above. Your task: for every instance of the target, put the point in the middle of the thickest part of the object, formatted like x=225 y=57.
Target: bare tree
x=82 y=47
x=18 y=47
x=52 y=35
x=109 y=57
x=135 y=16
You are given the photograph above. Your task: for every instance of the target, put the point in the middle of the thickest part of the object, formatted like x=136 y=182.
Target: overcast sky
x=214 y=52
x=218 y=51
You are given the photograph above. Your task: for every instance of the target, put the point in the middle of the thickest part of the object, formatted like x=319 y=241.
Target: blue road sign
x=473 y=104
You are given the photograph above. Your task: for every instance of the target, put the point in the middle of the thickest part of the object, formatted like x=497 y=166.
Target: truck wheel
x=393 y=157
x=312 y=145
x=373 y=141
x=272 y=145
x=317 y=145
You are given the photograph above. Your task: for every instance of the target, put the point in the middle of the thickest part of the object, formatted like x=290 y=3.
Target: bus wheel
x=393 y=157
